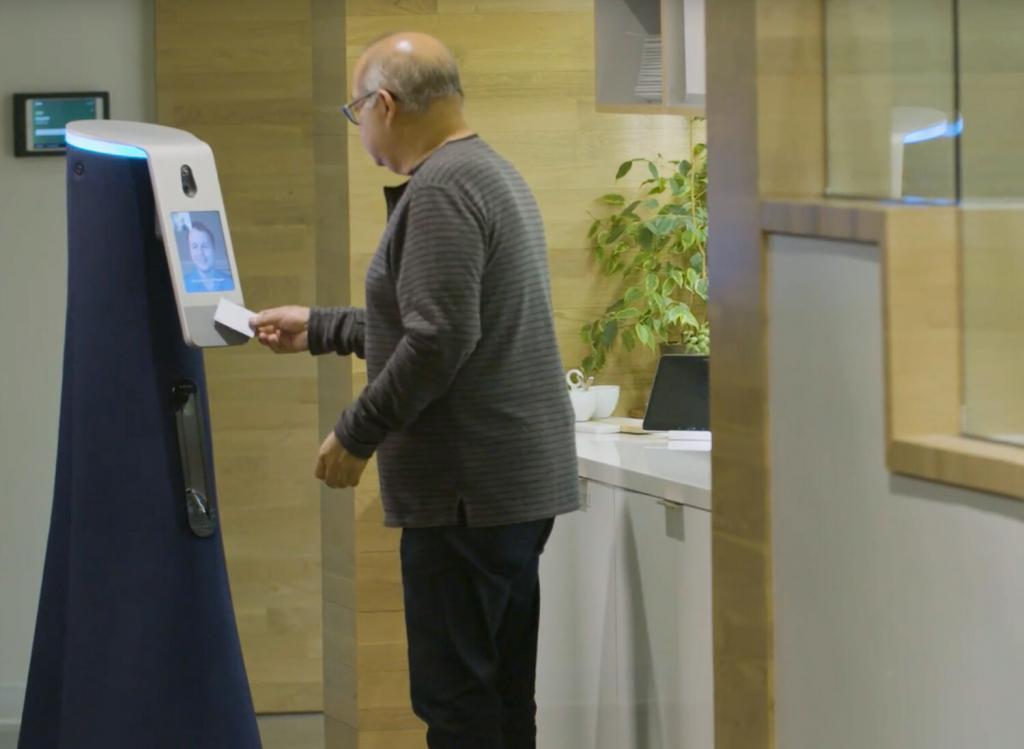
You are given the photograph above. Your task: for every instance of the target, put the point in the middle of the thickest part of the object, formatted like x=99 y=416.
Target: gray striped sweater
x=466 y=403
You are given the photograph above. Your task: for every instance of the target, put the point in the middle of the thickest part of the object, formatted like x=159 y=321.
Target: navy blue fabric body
x=136 y=645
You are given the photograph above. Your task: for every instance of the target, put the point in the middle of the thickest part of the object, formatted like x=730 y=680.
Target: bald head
x=416 y=68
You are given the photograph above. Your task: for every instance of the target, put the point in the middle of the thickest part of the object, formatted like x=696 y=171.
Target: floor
x=277 y=731
x=290 y=731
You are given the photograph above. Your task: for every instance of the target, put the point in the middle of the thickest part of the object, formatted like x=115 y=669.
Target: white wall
x=899 y=604
x=45 y=45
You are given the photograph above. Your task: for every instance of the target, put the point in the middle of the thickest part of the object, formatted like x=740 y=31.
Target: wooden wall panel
x=741 y=554
x=237 y=74
x=766 y=112
x=330 y=150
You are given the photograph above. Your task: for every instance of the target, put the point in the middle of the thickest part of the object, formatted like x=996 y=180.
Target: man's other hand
x=336 y=466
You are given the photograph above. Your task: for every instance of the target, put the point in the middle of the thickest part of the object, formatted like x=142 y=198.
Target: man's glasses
x=351 y=110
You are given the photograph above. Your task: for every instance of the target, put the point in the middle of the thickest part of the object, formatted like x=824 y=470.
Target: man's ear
x=390 y=106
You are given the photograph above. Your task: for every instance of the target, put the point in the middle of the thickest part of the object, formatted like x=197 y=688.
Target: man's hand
x=282 y=329
x=336 y=466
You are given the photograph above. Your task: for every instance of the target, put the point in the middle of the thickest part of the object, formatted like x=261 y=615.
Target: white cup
x=607 y=400
x=583 y=403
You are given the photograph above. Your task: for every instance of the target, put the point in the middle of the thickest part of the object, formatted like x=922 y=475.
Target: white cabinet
x=576 y=690
x=665 y=664
x=625 y=656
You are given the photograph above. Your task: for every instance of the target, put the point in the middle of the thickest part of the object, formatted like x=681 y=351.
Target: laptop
x=679 y=396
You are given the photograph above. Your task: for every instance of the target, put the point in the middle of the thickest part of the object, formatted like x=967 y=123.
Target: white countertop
x=679 y=472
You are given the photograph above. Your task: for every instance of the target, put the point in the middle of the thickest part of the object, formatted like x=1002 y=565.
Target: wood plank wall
x=237 y=73
x=528 y=70
x=766 y=111
x=330 y=145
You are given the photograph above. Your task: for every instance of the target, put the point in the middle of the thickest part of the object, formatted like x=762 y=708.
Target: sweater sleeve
x=438 y=268
x=337 y=329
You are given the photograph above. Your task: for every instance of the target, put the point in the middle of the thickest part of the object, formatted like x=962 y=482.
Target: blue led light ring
x=104 y=147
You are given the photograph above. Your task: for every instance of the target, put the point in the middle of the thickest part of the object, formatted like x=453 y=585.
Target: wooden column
x=766 y=137
x=238 y=75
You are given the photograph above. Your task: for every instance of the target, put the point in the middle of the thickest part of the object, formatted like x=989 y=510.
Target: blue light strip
x=942 y=130
x=102 y=146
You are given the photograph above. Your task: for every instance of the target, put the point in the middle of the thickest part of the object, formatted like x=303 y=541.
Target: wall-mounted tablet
x=190 y=214
x=40 y=119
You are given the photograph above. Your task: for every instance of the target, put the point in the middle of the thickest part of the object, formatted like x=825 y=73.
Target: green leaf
x=615 y=233
x=588 y=364
x=632 y=294
x=628 y=210
x=692 y=277
x=611 y=329
x=677 y=276
x=653 y=169
x=662 y=225
x=628 y=340
x=644 y=334
x=699 y=149
x=684 y=167
x=613 y=198
x=624 y=168
x=651 y=204
x=682 y=314
x=646 y=239
x=585 y=333
x=659 y=328
x=627 y=313
x=697 y=262
x=701 y=287
x=593 y=228
x=651 y=283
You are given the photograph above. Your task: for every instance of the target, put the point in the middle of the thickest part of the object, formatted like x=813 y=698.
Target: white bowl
x=607 y=400
x=583 y=403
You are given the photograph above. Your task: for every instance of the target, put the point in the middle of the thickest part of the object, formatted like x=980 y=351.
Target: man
x=466 y=408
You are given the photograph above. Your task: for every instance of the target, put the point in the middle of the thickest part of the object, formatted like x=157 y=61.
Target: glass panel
x=891 y=99
x=897 y=74
x=993 y=330
x=992 y=217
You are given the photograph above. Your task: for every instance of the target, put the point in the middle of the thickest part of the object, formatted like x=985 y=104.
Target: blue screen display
x=48 y=118
x=203 y=252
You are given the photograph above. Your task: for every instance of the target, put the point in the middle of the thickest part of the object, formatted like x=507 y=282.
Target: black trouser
x=472 y=606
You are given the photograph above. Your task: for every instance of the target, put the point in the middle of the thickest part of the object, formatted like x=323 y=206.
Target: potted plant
x=656 y=243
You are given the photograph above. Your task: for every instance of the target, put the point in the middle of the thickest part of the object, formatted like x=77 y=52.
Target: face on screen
x=203 y=252
x=200 y=246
